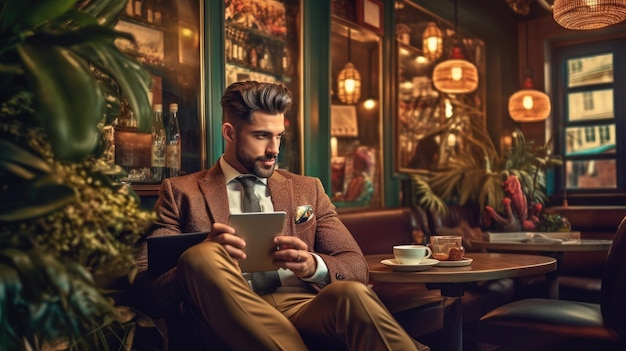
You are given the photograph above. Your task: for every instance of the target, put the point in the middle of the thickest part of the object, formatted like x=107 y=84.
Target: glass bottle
x=157 y=12
x=129 y=8
x=148 y=11
x=173 y=154
x=137 y=8
x=157 y=149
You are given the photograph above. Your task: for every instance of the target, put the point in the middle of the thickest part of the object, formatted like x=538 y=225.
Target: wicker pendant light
x=456 y=75
x=588 y=14
x=528 y=104
x=349 y=80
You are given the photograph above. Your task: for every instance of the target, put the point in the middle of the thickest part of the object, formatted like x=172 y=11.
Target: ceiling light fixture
x=349 y=80
x=432 y=39
x=456 y=75
x=588 y=14
x=528 y=104
x=370 y=103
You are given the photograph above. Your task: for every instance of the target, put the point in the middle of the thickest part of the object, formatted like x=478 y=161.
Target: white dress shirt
x=289 y=281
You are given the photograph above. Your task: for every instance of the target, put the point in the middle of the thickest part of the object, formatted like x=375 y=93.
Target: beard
x=254 y=165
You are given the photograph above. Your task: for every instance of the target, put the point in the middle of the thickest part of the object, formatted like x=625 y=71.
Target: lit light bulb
x=457 y=73
x=421 y=59
x=369 y=103
x=527 y=102
x=432 y=43
x=591 y=3
x=448 y=109
x=451 y=140
x=186 y=32
x=350 y=85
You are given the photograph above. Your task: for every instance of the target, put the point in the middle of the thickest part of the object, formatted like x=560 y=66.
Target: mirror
x=432 y=126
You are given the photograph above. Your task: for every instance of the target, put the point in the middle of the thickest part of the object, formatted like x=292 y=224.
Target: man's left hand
x=293 y=254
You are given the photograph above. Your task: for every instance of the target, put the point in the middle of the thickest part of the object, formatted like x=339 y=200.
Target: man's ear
x=228 y=132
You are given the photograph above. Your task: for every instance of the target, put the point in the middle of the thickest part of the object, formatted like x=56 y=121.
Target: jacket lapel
x=213 y=187
x=281 y=190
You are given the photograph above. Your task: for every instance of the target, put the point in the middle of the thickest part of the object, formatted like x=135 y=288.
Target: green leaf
x=133 y=79
x=31 y=199
x=69 y=102
x=20 y=162
x=26 y=14
x=106 y=11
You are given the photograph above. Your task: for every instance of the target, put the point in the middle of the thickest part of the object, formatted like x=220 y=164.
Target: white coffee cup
x=411 y=254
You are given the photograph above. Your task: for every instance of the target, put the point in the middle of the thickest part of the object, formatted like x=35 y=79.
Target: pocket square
x=303 y=213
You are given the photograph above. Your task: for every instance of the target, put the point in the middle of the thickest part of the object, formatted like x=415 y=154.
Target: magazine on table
x=534 y=237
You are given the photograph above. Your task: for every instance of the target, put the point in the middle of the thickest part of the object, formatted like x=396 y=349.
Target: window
x=589 y=118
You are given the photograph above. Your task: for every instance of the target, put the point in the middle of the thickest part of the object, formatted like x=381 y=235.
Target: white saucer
x=397 y=266
x=464 y=262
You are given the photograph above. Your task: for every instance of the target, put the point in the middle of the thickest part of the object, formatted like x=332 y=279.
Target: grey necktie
x=262 y=282
x=250 y=201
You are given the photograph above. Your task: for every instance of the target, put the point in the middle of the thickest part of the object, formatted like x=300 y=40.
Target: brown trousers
x=345 y=313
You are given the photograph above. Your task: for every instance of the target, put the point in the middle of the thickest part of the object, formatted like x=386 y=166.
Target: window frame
x=559 y=56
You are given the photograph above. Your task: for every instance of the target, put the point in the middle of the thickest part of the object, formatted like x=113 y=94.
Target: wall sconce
x=528 y=104
x=349 y=80
x=432 y=46
x=588 y=14
x=456 y=75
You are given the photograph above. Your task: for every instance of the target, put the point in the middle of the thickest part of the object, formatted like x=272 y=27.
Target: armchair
x=545 y=324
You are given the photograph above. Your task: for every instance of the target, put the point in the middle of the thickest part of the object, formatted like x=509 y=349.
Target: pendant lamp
x=588 y=14
x=432 y=46
x=456 y=75
x=370 y=102
x=528 y=104
x=349 y=80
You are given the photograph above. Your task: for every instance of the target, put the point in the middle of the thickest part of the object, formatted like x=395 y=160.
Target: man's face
x=257 y=143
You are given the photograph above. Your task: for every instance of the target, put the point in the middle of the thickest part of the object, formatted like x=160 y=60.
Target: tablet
x=258 y=230
x=164 y=250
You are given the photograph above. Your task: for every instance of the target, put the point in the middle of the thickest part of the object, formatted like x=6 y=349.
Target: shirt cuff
x=321 y=273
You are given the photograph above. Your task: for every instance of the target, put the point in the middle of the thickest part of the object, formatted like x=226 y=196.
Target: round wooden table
x=554 y=249
x=452 y=280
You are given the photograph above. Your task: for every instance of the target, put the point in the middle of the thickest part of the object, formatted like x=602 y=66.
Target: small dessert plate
x=464 y=262
x=399 y=267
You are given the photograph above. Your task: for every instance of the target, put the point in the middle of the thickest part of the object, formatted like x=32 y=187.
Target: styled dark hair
x=241 y=99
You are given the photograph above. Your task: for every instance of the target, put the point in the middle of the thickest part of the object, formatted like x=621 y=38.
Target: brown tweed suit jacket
x=194 y=202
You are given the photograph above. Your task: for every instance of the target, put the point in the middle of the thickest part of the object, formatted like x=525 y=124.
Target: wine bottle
x=137 y=8
x=157 y=150
x=148 y=11
x=129 y=8
x=158 y=12
x=173 y=149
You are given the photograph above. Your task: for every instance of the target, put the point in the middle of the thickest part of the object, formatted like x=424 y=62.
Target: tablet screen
x=258 y=230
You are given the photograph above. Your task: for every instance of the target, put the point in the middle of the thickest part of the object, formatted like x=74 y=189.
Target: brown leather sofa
x=418 y=309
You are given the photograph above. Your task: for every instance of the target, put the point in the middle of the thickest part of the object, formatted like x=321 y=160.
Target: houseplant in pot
x=65 y=227
x=477 y=173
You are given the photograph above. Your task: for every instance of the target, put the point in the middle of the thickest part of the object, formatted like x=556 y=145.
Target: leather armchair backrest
x=613 y=301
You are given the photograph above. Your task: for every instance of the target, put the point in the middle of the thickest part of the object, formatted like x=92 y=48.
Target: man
x=320 y=296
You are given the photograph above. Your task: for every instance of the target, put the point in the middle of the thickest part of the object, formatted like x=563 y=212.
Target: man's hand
x=225 y=235
x=293 y=254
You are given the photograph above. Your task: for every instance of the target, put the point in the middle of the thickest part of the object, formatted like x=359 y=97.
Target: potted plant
x=65 y=227
x=476 y=173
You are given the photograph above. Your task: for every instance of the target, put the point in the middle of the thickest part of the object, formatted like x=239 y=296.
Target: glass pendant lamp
x=349 y=80
x=432 y=46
